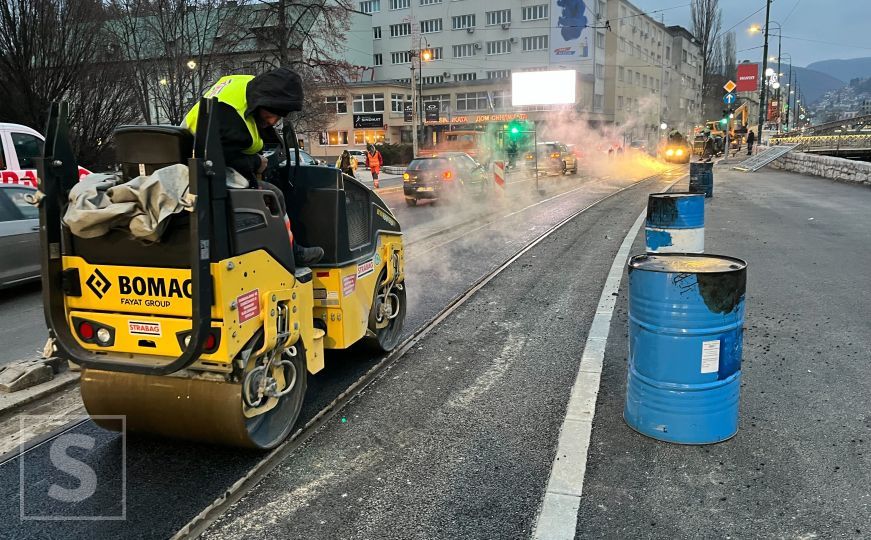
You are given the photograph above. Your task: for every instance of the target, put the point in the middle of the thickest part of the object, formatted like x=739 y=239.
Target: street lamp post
x=762 y=105
x=422 y=55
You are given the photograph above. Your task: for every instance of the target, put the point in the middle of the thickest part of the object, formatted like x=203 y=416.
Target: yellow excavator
x=209 y=334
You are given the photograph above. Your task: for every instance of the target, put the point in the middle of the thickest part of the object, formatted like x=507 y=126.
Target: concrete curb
x=10 y=402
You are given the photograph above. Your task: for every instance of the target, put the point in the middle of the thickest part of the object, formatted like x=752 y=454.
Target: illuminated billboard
x=543 y=87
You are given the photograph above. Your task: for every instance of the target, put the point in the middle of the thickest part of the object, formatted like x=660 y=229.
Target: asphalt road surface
x=167 y=482
x=800 y=464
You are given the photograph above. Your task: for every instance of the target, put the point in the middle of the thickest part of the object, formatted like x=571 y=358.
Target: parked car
x=19 y=148
x=19 y=236
x=444 y=175
x=553 y=157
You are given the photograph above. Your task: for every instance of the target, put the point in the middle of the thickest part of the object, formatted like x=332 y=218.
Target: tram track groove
x=209 y=515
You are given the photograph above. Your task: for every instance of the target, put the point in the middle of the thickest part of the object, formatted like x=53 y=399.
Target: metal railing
x=826 y=143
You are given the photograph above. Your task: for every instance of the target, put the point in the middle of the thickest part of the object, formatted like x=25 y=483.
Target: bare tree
x=175 y=48
x=53 y=50
x=706 y=27
x=307 y=36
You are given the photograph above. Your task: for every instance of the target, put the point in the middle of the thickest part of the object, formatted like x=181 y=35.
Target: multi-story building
x=631 y=70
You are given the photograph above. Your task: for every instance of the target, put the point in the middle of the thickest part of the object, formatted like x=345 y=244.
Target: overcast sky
x=842 y=24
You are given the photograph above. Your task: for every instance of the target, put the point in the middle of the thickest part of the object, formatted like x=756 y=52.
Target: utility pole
x=413 y=113
x=762 y=106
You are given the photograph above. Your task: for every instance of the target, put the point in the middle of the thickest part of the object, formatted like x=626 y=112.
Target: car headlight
x=669 y=152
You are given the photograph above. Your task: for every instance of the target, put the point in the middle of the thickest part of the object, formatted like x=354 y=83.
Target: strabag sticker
x=710 y=356
x=248 y=305
x=143 y=328
x=349 y=283
x=365 y=268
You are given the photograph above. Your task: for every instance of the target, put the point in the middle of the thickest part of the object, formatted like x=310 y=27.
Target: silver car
x=19 y=236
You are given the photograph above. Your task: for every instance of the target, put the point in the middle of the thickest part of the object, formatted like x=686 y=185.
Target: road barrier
x=675 y=223
x=702 y=178
x=686 y=314
x=499 y=173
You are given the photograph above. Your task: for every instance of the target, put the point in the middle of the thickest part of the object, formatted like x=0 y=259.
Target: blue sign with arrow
x=729 y=98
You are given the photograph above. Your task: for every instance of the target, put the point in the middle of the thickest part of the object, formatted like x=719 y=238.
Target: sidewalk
x=800 y=465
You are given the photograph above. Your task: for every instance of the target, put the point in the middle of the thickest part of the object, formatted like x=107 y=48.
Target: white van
x=19 y=148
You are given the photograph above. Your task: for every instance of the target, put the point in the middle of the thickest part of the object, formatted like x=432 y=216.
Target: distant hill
x=844 y=69
x=813 y=84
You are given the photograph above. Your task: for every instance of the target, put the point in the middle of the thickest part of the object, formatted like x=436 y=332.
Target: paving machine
x=210 y=333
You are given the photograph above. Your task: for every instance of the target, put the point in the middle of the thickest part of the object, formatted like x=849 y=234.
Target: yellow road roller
x=209 y=333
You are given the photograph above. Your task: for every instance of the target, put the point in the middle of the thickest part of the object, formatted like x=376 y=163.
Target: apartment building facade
x=631 y=69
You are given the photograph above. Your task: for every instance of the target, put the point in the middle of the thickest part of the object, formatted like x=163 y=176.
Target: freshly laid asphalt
x=169 y=482
x=800 y=464
x=456 y=440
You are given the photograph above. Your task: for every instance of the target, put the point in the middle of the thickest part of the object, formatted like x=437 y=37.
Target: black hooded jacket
x=278 y=91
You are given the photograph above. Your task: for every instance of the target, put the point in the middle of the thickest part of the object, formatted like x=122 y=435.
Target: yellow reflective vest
x=230 y=90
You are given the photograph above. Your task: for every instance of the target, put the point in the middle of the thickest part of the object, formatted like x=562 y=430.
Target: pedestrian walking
x=751 y=138
x=374 y=162
x=347 y=163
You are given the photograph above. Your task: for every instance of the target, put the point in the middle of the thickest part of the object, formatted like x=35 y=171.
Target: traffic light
x=513 y=128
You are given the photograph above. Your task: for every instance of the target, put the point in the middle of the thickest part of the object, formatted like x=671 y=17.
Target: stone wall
x=834 y=168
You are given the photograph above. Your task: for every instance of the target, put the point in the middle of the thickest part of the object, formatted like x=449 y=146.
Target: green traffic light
x=514 y=130
x=724 y=121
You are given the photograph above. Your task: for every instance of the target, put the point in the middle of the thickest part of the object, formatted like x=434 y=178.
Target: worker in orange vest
x=374 y=162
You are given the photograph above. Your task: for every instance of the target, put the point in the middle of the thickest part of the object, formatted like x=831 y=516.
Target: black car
x=444 y=175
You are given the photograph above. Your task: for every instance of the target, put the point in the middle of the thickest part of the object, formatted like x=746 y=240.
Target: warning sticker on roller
x=710 y=356
x=349 y=283
x=248 y=305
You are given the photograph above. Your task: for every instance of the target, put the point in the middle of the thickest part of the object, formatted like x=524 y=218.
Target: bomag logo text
x=155 y=287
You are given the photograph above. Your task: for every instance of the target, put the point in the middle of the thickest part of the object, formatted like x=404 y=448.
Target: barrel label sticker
x=141 y=328
x=248 y=305
x=349 y=283
x=711 y=356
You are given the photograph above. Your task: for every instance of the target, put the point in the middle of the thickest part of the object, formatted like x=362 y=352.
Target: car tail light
x=209 y=346
x=447 y=175
x=211 y=341
x=86 y=331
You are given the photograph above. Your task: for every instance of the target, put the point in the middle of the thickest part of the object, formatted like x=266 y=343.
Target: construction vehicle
x=210 y=333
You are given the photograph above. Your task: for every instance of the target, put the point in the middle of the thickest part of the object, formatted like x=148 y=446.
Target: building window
x=601 y=11
x=600 y=71
x=644 y=81
x=437 y=79
x=600 y=40
x=668 y=54
x=462 y=51
x=402 y=57
x=502 y=16
x=503 y=46
x=366 y=103
x=472 y=101
x=430 y=26
x=598 y=102
x=339 y=102
x=398 y=101
x=376 y=31
x=370 y=6
x=619 y=102
x=399 y=30
x=430 y=2
x=462 y=21
x=459 y=77
x=684 y=57
x=368 y=136
x=334 y=138
x=637 y=79
x=499 y=74
x=444 y=101
x=501 y=99
x=400 y=4
x=377 y=59
x=621 y=74
x=534 y=43
x=629 y=76
x=437 y=53
x=533 y=13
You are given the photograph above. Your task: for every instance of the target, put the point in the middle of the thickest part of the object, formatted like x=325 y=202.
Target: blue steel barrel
x=675 y=223
x=686 y=314
x=702 y=178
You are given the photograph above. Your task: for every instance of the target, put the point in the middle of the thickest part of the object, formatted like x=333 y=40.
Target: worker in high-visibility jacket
x=374 y=162
x=247 y=111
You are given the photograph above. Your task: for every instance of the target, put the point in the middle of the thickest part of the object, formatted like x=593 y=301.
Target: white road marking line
x=558 y=519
